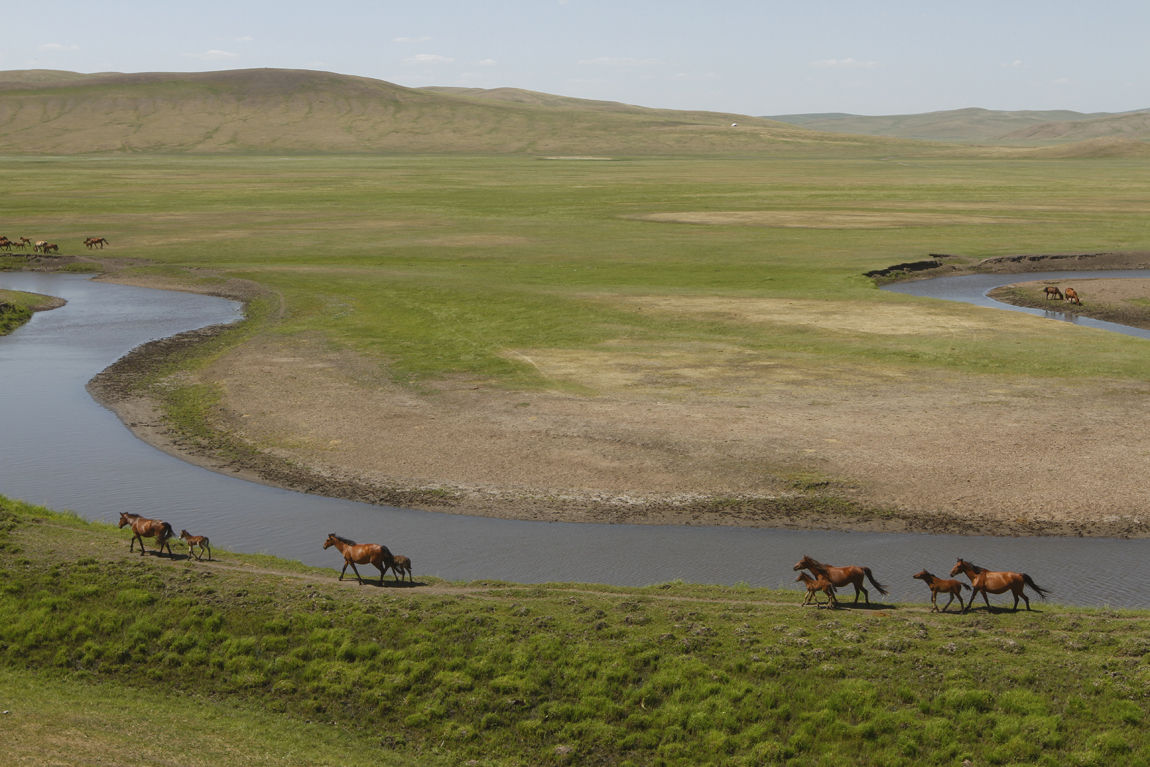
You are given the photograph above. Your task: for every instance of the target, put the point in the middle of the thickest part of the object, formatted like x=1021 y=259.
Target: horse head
x=804 y=563
x=923 y=575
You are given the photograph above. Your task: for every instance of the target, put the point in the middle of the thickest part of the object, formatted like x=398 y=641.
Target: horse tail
x=962 y=586
x=877 y=585
x=1030 y=582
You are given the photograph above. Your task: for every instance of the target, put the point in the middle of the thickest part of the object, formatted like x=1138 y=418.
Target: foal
x=197 y=541
x=936 y=584
x=815 y=585
x=399 y=565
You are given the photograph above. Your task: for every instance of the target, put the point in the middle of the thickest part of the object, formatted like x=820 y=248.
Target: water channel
x=62 y=450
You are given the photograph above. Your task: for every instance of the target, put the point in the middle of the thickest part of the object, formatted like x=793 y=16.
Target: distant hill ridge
x=984 y=126
x=304 y=111
x=279 y=110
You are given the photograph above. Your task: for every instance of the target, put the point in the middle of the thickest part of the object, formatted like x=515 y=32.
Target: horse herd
x=353 y=553
x=826 y=578
x=819 y=578
x=45 y=247
x=1052 y=293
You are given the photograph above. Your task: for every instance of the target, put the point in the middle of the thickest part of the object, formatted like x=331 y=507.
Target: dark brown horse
x=142 y=528
x=814 y=585
x=1072 y=296
x=400 y=565
x=197 y=541
x=841 y=576
x=361 y=553
x=939 y=585
x=996 y=582
x=1052 y=292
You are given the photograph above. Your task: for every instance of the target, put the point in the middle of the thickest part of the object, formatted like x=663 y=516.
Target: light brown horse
x=142 y=528
x=841 y=576
x=197 y=541
x=401 y=564
x=996 y=582
x=361 y=553
x=814 y=585
x=95 y=242
x=1072 y=296
x=940 y=585
x=1052 y=292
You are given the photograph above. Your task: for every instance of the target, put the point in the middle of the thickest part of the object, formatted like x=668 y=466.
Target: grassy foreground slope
x=260 y=656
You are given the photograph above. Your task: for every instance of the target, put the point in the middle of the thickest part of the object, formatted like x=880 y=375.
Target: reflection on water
x=76 y=455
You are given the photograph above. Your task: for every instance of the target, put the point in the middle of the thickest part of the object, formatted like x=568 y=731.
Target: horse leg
x=209 y=551
x=141 y=540
x=950 y=594
x=344 y=570
x=1025 y=598
x=355 y=570
x=382 y=572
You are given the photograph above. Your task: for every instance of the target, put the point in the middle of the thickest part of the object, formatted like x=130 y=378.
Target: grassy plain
x=110 y=657
x=440 y=265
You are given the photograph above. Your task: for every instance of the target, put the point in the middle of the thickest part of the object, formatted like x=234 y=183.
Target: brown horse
x=996 y=582
x=361 y=553
x=1072 y=296
x=1052 y=292
x=937 y=585
x=142 y=528
x=401 y=564
x=197 y=541
x=95 y=242
x=841 y=576
x=814 y=585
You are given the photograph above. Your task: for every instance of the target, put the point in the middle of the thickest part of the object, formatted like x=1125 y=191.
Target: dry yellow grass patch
x=843 y=316
x=816 y=219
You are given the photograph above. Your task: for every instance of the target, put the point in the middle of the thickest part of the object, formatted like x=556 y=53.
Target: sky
x=755 y=57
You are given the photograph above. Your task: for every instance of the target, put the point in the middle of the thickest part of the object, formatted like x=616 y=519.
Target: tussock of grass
x=562 y=673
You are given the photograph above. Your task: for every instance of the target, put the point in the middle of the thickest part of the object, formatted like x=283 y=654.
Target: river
x=63 y=450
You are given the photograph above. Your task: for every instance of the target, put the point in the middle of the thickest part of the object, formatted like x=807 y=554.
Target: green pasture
x=107 y=656
x=439 y=265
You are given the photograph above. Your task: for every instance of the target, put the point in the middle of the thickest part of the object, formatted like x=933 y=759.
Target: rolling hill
x=983 y=126
x=284 y=111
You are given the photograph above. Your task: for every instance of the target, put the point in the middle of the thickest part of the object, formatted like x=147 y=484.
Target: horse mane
x=975 y=567
x=341 y=539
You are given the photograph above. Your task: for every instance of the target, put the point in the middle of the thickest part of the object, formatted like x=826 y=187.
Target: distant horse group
x=45 y=247
x=1070 y=295
x=825 y=579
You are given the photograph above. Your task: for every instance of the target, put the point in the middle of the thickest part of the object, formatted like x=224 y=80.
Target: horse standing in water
x=361 y=553
x=841 y=576
x=939 y=585
x=996 y=582
x=142 y=528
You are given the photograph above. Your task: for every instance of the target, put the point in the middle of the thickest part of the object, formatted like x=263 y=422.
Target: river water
x=62 y=450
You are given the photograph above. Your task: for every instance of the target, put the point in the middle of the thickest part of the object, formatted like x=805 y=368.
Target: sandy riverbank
x=764 y=445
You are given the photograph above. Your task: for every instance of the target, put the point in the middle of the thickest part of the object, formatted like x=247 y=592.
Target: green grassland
x=439 y=265
x=107 y=656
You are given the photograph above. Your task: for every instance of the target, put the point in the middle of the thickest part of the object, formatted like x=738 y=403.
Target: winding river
x=63 y=450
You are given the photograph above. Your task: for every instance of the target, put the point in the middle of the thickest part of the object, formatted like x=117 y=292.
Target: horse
x=815 y=585
x=23 y=243
x=142 y=528
x=49 y=246
x=361 y=553
x=936 y=584
x=6 y=244
x=95 y=242
x=39 y=246
x=1052 y=292
x=841 y=576
x=197 y=541
x=1072 y=296
x=996 y=582
x=400 y=565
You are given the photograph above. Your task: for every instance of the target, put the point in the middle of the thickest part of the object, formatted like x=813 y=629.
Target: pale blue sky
x=759 y=58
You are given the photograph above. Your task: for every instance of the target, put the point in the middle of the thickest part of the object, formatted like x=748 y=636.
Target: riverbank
x=297 y=414
x=272 y=653
x=17 y=307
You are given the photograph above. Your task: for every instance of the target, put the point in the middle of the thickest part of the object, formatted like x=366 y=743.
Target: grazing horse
x=142 y=528
x=1052 y=292
x=361 y=553
x=841 y=576
x=39 y=246
x=95 y=242
x=400 y=565
x=815 y=585
x=197 y=541
x=1072 y=296
x=50 y=246
x=937 y=585
x=996 y=582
